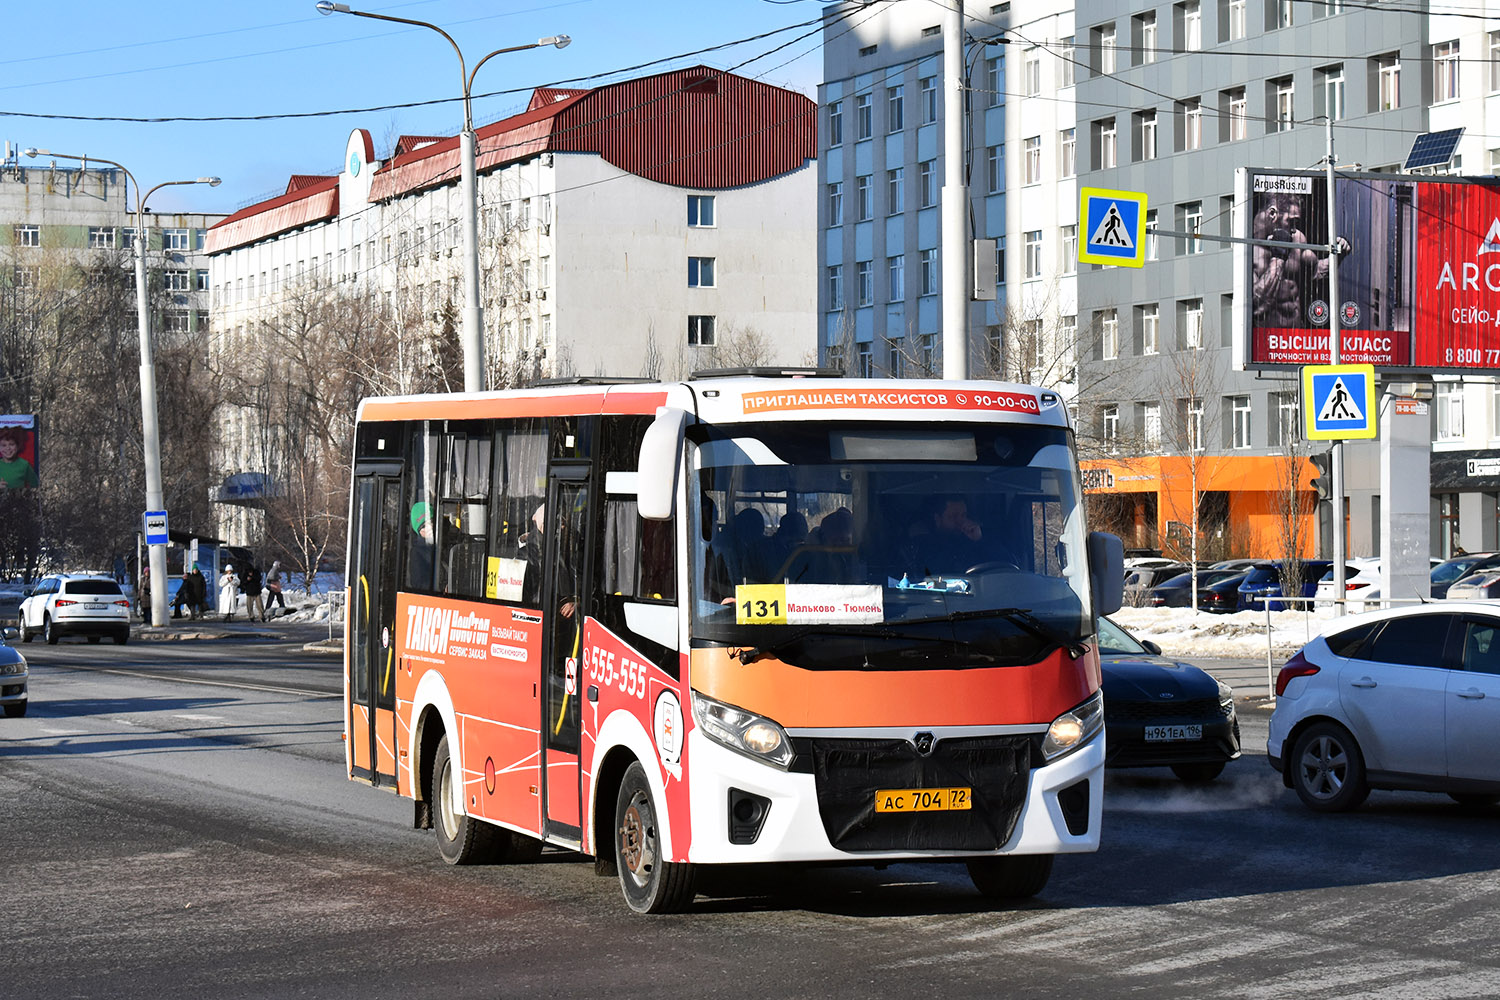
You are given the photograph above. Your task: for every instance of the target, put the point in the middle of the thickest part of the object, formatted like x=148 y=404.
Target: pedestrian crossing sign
x=1338 y=401
x=1114 y=227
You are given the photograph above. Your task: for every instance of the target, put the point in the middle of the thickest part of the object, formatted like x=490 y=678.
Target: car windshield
x=1450 y=571
x=1113 y=639
x=91 y=587
x=868 y=545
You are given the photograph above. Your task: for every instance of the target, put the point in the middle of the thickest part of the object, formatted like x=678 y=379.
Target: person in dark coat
x=251 y=587
x=194 y=592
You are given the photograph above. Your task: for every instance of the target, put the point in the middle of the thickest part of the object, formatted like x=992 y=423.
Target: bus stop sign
x=156 y=527
x=1338 y=401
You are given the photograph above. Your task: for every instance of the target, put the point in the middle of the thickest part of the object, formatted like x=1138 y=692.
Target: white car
x=1407 y=698
x=86 y=604
x=1360 y=574
x=13 y=677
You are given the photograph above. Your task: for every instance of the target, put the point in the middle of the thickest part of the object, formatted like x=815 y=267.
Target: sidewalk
x=313 y=635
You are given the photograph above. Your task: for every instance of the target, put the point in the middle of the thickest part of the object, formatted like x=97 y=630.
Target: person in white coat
x=229 y=592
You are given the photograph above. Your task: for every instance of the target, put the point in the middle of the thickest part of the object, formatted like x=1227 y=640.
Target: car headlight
x=741 y=731
x=12 y=668
x=1226 y=696
x=1074 y=728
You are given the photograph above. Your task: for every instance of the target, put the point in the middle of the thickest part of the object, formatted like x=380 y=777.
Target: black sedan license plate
x=922 y=799
x=1162 y=734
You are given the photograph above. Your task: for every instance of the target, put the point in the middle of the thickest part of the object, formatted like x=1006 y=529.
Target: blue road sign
x=1114 y=227
x=156 y=527
x=1339 y=401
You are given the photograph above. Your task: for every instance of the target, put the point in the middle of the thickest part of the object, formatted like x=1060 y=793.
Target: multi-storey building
x=1175 y=96
x=645 y=228
x=880 y=174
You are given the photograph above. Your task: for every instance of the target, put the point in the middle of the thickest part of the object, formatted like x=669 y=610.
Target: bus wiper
x=1024 y=618
x=753 y=653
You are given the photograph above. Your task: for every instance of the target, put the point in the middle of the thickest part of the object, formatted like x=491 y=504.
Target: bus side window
x=422 y=514
x=462 y=527
x=519 y=485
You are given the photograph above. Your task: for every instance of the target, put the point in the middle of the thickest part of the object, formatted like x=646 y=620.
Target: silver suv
x=86 y=604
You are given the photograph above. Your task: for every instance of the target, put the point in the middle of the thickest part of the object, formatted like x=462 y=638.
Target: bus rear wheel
x=651 y=884
x=1013 y=876
x=462 y=839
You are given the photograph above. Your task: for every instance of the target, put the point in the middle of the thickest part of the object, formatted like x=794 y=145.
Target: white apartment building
x=645 y=228
x=881 y=170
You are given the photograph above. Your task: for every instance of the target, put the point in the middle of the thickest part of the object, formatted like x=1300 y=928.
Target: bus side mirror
x=661 y=454
x=1106 y=572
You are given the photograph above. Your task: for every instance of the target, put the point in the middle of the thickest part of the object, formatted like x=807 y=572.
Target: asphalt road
x=178 y=824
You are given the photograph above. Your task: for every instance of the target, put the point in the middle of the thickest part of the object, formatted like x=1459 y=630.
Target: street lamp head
x=212 y=182
x=33 y=152
x=561 y=41
x=326 y=7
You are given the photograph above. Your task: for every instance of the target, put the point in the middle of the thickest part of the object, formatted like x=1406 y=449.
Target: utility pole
x=955 y=252
x=1336 y=456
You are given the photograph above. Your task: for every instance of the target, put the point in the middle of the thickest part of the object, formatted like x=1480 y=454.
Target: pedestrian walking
x=195 y=592
x=229 y=592
x=251 y=587
x=274 y=583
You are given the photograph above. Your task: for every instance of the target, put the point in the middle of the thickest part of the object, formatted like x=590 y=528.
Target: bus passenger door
x=371 y=626
x=564 y=604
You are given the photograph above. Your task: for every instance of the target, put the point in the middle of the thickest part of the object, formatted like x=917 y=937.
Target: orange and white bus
x=744 y=618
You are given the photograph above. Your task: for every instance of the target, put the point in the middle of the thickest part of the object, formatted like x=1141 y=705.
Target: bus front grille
x=849 y=773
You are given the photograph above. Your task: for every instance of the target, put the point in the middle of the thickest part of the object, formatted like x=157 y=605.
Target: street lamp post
x=473 y=315
x=150 y=429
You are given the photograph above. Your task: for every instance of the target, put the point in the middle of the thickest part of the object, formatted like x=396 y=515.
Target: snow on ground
x=1188 y=633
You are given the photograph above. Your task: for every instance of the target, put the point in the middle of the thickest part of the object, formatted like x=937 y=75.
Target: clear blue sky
x=164 y=58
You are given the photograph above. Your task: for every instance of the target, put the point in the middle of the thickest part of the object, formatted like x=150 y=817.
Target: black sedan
x=1177 y=592
x=1221 y=596
x=1162 y=713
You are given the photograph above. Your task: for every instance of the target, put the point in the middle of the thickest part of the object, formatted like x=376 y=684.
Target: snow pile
x=323 y=601
x=1187 y=633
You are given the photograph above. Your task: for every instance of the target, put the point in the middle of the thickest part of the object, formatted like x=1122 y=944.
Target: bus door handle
x=593 y=694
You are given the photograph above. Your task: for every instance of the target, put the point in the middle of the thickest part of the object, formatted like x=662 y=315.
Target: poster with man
x=18 y=451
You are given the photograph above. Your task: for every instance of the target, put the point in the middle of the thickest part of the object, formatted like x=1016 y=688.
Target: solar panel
x=1433 y=149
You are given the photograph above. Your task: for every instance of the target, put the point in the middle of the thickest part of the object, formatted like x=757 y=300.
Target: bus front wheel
x=651 y=884
x=1012 y=876
x=462 y=839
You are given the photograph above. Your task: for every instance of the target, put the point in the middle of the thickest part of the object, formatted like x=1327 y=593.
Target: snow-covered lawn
x=1185 y=632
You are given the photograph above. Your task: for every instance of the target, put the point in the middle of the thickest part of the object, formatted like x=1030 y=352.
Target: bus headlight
x=742 y=731
x=1074 y=728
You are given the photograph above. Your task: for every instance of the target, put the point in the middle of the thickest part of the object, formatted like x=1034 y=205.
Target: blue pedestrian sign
x=1338 y=401
x=1114 y=227
x=156 y=527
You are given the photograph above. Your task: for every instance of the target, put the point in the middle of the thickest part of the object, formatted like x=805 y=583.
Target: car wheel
x=15 y=710
x=1198 y=774
x=1015 y=876
x=462 y=839
x=1474 y=800
x=122 y=637
x=1328 y=771
x=49 y=630
x=651 y=884
x=26 y=634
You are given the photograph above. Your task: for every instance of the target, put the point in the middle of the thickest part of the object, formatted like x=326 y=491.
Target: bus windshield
x=860 y=546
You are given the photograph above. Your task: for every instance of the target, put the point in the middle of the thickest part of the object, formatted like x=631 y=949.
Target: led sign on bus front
x=1418 y=288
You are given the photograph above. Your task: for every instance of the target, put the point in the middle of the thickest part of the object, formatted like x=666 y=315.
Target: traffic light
x=1323 y=481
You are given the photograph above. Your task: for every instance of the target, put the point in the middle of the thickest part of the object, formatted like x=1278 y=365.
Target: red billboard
x=1417 y=289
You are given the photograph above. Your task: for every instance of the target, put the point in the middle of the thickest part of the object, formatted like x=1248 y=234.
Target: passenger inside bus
x=829 y=555
x=419 y=561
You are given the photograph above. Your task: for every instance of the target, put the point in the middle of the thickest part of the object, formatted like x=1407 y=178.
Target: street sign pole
x=1336 y=491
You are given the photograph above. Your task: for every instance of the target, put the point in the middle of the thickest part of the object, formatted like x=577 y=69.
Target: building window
x=1494 y=73
x=700 y=272
x=1280 y=99
x=1069 y=249
x=101 y=237
x=1284 y=429
x=700 y=331
x=1033 y=262
x=927 y=92
x=927 y=260
x=864 y=361
x=1152 y=247
x=1448 y=399
x=863 y=117
x=836 y=204
x=1031 y=75
x=1151 y=424
x=895 y=108
x=1000 y=260
x=1192 y=423
x=26 y=276
x=1190 y=318
x=1388 y=80
x=929 y=353
x=700 y=211
x=1067 y=68
x=1190 y=124
x=896 y=272
x=1234 y=124
x=927 y=183
x=1149 y=318
x=1239 y=408
x=176 y=239
x=1189 y=220
x=835 y=287
x=1235 y=26
x=1111 y=427
x=1033 y=160
x=175 y=280
x=895 y=190
x=177 y=321
x=994 y=166
x=864 y=198
x=1143 y=135
x=1107 y=49
x=200 y=281
x=1067 y=153
x=1445 y=71
x=1143 y=38
x=994 y=80
x=1189 y=17
x=895 y=362
x=864 y=282
x=835 y=123
x=1281 y=12
x=1104 y=144
x=1109 y=334
x=1328 y=92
